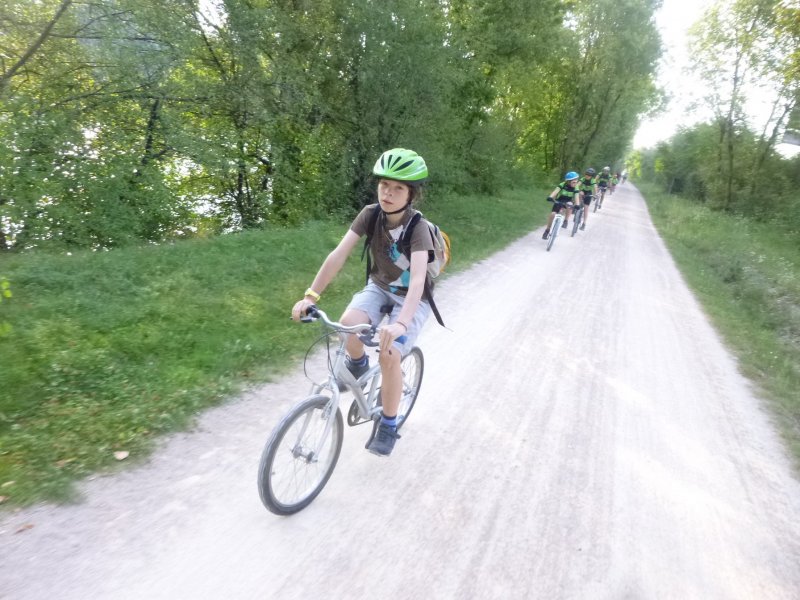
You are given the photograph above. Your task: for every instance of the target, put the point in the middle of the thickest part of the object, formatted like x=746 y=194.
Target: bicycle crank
x=353 y=417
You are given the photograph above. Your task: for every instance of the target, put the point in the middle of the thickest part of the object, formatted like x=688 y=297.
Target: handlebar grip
x=311 y=314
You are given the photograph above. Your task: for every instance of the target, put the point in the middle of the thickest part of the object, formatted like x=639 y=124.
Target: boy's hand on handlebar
x=388 y=334
x=300 y=308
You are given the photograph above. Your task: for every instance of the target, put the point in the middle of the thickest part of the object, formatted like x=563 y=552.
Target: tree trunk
x=766 y=146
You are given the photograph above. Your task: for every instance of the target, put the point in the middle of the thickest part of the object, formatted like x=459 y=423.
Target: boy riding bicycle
x=603 y=181
x=395 y=281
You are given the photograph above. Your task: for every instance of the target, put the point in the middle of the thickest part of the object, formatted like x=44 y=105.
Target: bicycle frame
x=339 y=373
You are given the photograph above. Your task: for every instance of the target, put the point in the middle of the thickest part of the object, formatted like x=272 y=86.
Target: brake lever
x=367 y=339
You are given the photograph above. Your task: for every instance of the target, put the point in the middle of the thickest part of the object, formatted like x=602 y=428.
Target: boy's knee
x=353 y=316
x=390 y=361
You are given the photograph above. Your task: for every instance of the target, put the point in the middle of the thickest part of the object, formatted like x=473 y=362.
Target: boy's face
x=392 y=195
x=573 y=182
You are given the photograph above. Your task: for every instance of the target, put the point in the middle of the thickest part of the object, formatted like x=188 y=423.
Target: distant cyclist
x=564 y=196
x=603 y=183
x=614 y=182
x=588 y=189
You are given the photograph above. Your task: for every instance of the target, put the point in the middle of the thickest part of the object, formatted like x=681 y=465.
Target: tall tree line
x=124 y=121
x=748 y=52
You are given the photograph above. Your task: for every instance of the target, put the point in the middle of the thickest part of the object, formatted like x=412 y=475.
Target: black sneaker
x=564 y=224
x=356 y=370
x=383 y=442
x=546 y=234
x=583 y=226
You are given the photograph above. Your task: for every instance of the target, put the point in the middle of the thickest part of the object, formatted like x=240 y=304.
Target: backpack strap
x=427 y=293
x=405 y=240
x=405 y=246
x=372 y=225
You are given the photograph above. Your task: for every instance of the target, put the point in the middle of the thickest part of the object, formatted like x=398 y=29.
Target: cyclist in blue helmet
x=564 y=196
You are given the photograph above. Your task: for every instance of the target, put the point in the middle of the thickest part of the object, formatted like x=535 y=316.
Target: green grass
x=746 y=276
x=109 y=350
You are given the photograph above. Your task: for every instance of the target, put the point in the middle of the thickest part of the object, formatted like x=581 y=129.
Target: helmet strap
x=394 y=212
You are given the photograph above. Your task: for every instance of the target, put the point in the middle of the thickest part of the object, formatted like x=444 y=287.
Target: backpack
x=438 y=258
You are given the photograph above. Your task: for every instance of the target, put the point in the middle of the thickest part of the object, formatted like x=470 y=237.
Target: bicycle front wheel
x=300 y=456
x=576 y=221
x=556 y=226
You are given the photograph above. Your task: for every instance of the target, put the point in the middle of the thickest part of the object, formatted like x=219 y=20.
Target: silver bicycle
x=302 y=451
x=577 y=217
x=598 y=201
x=557 y=221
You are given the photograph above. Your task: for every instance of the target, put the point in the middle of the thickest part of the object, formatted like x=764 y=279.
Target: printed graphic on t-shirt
x=401 y=262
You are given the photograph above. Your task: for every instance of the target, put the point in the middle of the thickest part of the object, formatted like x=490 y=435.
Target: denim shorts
x=372 y=298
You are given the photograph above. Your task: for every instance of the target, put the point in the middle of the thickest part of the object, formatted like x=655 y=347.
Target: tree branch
x=6 y=77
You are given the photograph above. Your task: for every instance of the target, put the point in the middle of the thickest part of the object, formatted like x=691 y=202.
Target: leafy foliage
x=744 y=49
x=129 y=121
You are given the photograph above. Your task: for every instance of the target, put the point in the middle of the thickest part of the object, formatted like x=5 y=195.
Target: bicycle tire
x=576 y=221
x=288 y=479
x=413 y=367
x=556 y=226
x=596 y=202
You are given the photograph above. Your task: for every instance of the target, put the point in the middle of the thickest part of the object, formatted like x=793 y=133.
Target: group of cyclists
x=576 y=190
x=397 y=280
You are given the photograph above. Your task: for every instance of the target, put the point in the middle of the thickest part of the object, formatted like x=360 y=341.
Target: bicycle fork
x=312 y=455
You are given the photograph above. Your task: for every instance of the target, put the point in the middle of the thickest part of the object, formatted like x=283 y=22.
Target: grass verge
x=745 y=274
x=107 y=351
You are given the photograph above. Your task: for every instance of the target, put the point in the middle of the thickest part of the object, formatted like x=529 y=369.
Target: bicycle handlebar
x=365 y=331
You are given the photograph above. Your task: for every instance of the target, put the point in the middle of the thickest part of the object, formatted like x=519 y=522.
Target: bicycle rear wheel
x=413 y=365
x=298 y=459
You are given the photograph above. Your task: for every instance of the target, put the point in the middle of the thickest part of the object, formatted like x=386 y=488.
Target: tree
x=739 y=47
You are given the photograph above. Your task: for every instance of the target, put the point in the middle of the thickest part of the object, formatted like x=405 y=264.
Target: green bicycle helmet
x=401 y=165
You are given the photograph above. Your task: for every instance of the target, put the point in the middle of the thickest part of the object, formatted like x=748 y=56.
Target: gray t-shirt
x=390 y=267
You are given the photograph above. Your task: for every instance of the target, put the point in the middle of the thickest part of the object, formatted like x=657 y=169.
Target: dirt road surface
x=581 y=433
